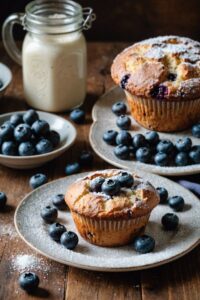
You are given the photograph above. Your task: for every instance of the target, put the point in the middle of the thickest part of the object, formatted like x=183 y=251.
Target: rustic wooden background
x=131 y=20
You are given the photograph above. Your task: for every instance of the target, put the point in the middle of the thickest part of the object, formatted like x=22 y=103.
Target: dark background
x=130 y=20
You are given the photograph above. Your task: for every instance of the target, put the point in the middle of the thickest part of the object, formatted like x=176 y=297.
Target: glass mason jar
x=54 y=55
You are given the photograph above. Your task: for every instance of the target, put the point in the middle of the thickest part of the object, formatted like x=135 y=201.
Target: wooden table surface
x=178 y=280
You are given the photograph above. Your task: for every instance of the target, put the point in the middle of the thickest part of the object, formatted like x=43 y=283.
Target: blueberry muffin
x=161 y=80
x=111 y=207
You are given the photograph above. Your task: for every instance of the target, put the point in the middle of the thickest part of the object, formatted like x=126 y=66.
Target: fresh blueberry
x=124 y=81
x=125 y=179
x=54 y=137
x=78 y=116
x=163 y=194
x=37 y=180
x=123 y=122
x=170 y=221
x=165 y=146
x=69 y=240
x=184 y=144
x=49 y=214
x=72 y=168
x=86 y=158
x=9 y=148
x=161 y=159
x=44 y=146
x=59 y=202
x=22 y=133
x=16 y=119
x=152 y=137
x=182 y=159
x=143 y=154
x=144 y=244
x=40 y=128
x=194 y=154
x=171 y=76
x=110 y=137
x=56 y=230
x=196 y=130
x=30 y=117
x=119 y=108
x=29 y=281
x=96 y=183
x=124 y=138
x=6 y=131
x=1 y=84
x=176 y=203
x=122 y=152
x=159 y=92
x=3 y=200
x=26 y=149
x=110 y=187
x=139 y=140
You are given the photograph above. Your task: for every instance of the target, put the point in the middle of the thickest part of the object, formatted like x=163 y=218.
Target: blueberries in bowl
x=16 y=119
x=176 y=203
x=6 y=131
x=96 y=183
x=110 y=137
x=44 y=146
x=29 y=281
x=1 y=84
x=40 y=128
x=170 y=221
x=30 y=117
x=144 y=244
x=119 y=108
x=54 y=137
x=26 y=149
x=9 y=148
x=196 y=130
x=125 y=179
x=163 y=194
x=37 y=180
x=123 y=122
x=22 y=133
x=110 y=187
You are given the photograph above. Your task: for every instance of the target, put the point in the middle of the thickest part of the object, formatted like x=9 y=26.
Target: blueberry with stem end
x=119 y=108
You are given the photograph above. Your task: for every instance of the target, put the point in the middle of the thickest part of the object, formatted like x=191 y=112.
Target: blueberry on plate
x=78 y=116
x=125 y=179
x=119 y=108
x=29 y=281
x=69 y=240
x=122 y=152
x=176 y=203
x=3 y=200
x=184 y=144
x=123 y=122
x=16 y=119
x=49 y=214
x=9 y=148
x=165 y=146
x=163 y=194
x=161 y=159
x=44 y=146
x=139 y=140
x=86 y=158
x=144 y=244
x=182 y=159
x=54 y=137
x=196 y=130
x=6 y=131
x=37 y=180
x=72 y=168
x=22 y=133
x=110 y=137
x=56 y=230
x=96 y=183
x=194 y=154
x=40 y=128
x=170 y=221
x=26 y=149
x=30 y=116
x=143 y=154
x=124 y=138
x=152 y=137
x=110 y=187
x=59 y=202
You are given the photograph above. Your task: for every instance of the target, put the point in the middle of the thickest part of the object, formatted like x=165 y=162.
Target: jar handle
x=8 y=39
x=89 y=17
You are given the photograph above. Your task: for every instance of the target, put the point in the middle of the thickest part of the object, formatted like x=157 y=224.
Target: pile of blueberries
x=56 y=230
x=149 y=148
x=25 y=135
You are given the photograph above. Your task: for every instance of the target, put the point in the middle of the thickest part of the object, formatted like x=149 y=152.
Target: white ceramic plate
x=169 y=245
x=67 y=133
x=5 y=77
x=104 y=119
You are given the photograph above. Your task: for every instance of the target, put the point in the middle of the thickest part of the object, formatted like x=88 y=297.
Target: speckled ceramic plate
x=169 y=245
x=104 y=120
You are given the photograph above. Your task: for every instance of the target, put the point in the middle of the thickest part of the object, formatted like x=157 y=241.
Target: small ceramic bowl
x=5 y=77
x=67 y=134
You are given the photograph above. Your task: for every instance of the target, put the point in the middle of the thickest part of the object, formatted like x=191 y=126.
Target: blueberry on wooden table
x=56 y=230
x=143 y=154
x=196 y=130
x=123 y=122
x=184 y=144
x=49 y=214
x=144 y=244
x=22 y=133
x=122 y=152
x=37 y=180
x=72 y=168
x=110 y=137
x=77 y=116
x=161 y=159
x=59 y=202
x=3 y=200
x=182 y=159
x=194 y=154
x=163 y=194
x=69 y=240
x=16 y=119
x=124 y=138
x=40 y=128
x=125 y=179
x=86 y=158
x=6 y=131
x=29 y=281
x=119 y=108
x=139 y=140
x=110 y=187
x=170 y=221
x=43 y=146
x=9 y=148
x=152 y=137
x=176 y=203
x=96 y=184
x=26 y=149
x=30 y=116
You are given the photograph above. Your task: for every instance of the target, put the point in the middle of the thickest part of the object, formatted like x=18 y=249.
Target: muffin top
x=111 y=194
x=165 y=68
